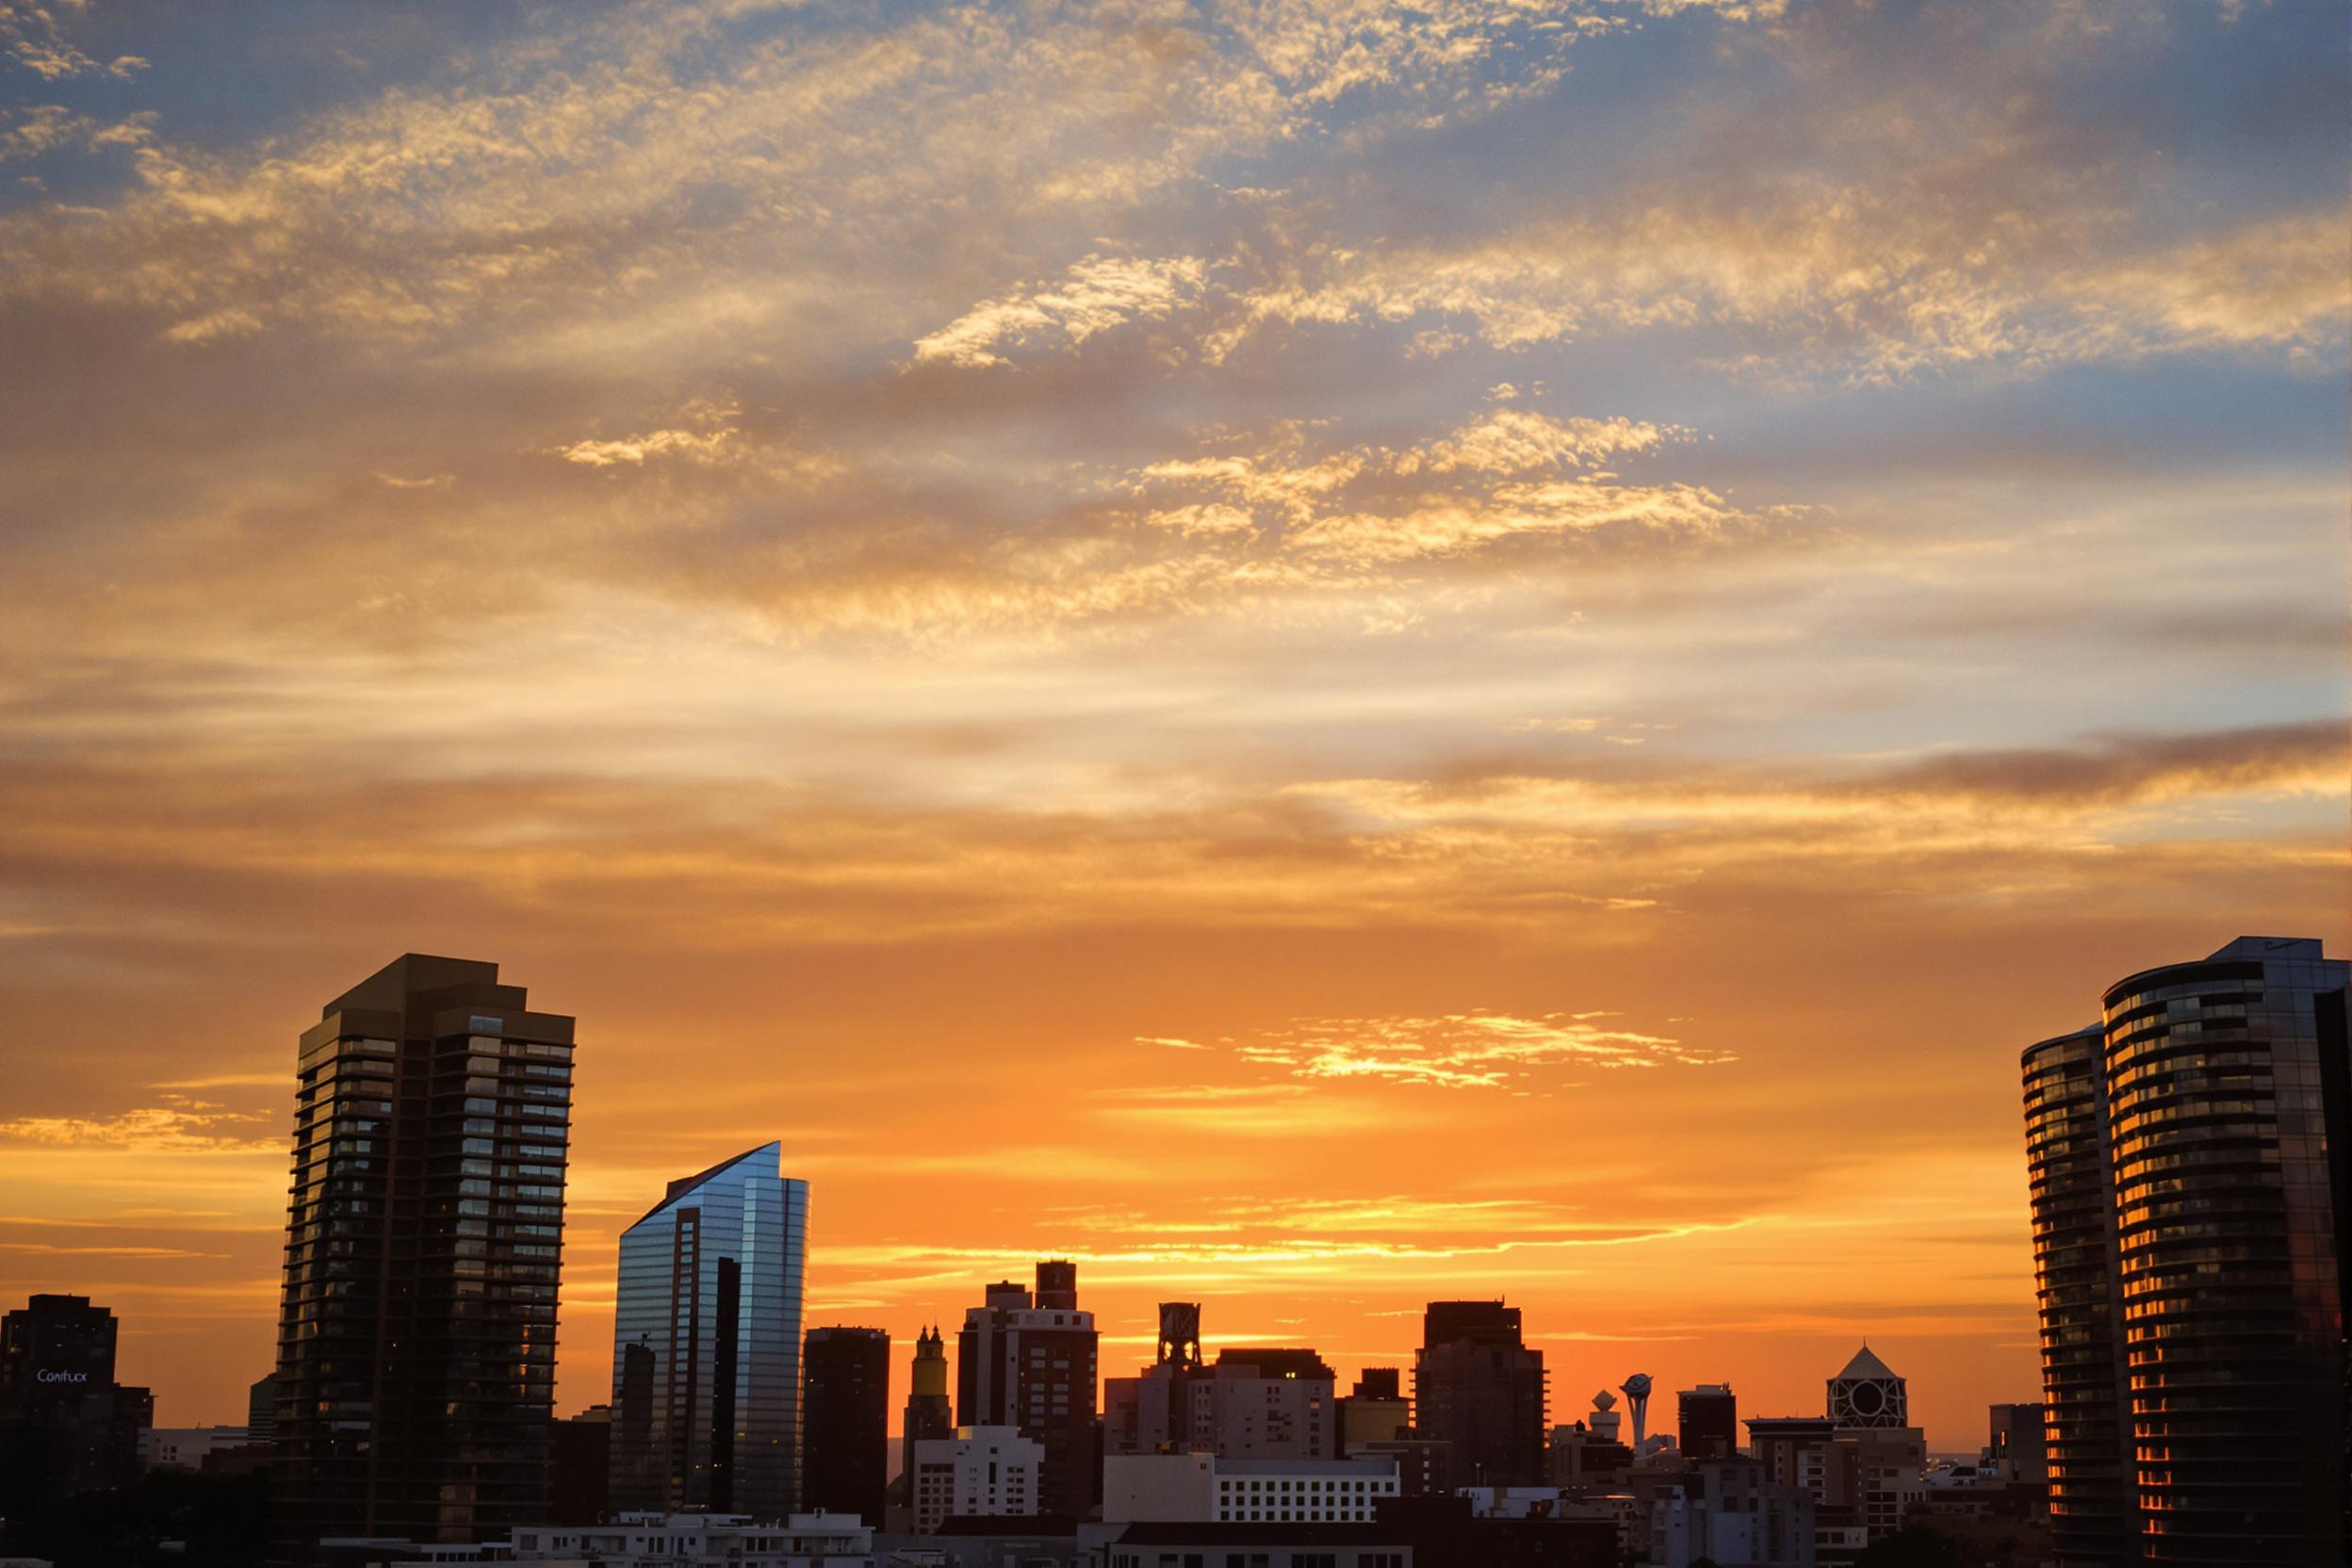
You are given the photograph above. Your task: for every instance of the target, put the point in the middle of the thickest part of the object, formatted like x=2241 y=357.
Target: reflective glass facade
x=416 y=1375
x=707 y=1344
x=2190 y=1161
x=2221 y=1078
x=2093 y=1511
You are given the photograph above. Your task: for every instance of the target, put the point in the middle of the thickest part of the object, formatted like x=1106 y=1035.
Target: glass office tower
x=415 y=1377
x=707 y=1342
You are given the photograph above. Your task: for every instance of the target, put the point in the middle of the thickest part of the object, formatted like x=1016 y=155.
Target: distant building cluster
x=2190 y=1159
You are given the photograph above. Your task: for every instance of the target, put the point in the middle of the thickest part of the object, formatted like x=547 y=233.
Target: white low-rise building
x=1203 y=1489
x=980 y=1473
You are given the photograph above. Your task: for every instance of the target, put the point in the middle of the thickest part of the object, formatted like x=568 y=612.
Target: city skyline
x=1317 y=659
x=1600 y=1360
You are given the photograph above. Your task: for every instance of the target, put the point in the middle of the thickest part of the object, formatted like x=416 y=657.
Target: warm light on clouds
x=1318 y=653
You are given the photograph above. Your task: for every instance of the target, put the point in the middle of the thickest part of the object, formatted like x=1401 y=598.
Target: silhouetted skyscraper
x=581 y=1468
x=1478 y=1387
x=929 y=1412
x=2227 y=1088
x=2094 y=1511
x=1707 y=1422
x=845 y=1422
x=416 y=1342
x=261 y=1409
x=66 y=1426
x=1032 y=1365
x=705 y=1343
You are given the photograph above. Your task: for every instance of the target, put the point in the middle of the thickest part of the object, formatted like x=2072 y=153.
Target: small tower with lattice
x=1867 y=1394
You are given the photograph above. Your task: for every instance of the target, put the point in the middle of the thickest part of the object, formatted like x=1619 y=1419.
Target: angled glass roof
x=685 y=1185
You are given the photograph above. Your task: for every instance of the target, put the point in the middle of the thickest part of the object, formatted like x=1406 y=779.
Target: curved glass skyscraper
x=2190 y=1161
x=2217 y=1103
x=2093 y=1517
x=705 y=1343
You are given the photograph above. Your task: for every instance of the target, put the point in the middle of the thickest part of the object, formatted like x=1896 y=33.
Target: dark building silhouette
x=1031 y=1365
x=417 y=1341
x=2223 y=1092
x=705 y=1343
x=929 y=1412
x=582 y=1455
x=1788 y=1445
x=1152 y=1412
x=1442 y=1531
x=1478 y=1387
x=845 y=1422
x=2015 y=1443
x=1707 y=1422
x=261 y=1409
x=1255 y=1402
x=2093 y=1512
x=66 y=1426
x=1424 y=1466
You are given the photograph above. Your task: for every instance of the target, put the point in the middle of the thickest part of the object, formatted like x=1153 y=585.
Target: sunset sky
x=1320 y=655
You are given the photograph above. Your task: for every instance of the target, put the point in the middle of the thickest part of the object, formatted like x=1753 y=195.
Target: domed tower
x=1867 y=1394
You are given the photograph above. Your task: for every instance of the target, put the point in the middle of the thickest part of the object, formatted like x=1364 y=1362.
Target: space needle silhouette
x=1636 y=1391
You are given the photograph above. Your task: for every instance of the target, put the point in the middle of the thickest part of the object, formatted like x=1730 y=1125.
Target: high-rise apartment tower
x=2207 y=1151
x=1031 y=1365
x=1477 y=1386
x=415 y=1377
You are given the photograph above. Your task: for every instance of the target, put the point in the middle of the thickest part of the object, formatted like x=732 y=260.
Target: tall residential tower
x=2094 y=1514
x=2210 y=1139
x=415 y=1377
x=1477 y=1386
x=1030 y=1364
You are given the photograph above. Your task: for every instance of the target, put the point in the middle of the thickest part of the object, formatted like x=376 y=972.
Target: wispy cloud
x=184 y=1126
x=1475 y=1050
x=1096 y=295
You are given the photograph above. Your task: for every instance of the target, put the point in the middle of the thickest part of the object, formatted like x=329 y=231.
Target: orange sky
x=1318 y=655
